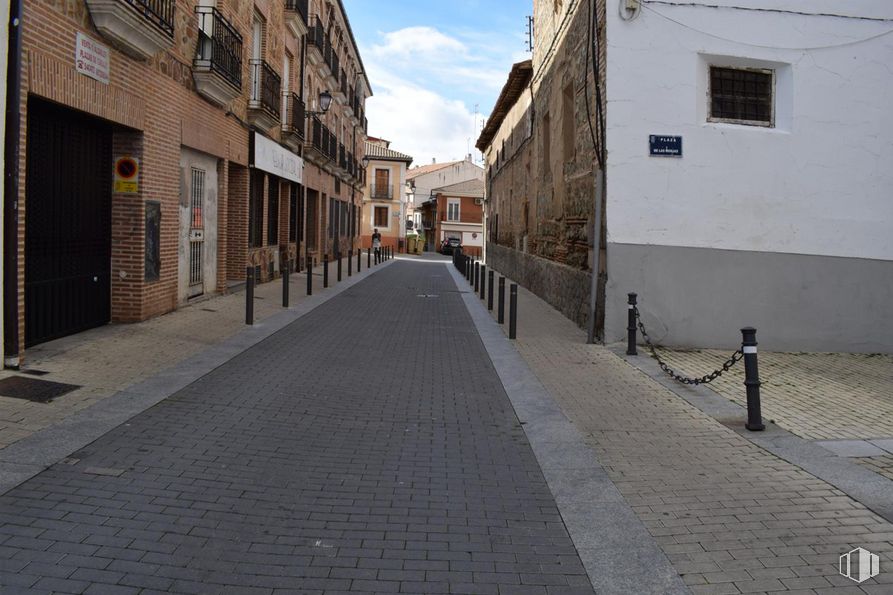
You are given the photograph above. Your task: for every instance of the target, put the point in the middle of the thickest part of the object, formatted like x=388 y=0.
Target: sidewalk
x=730 y=516
x=108 y=359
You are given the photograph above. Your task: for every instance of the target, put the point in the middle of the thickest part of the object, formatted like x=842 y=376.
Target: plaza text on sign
x=665 y=146
x=91 y=58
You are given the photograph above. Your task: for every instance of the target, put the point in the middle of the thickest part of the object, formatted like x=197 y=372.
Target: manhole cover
x=33 y=389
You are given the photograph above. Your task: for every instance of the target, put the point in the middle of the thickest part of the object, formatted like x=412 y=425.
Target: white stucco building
x=778 y=213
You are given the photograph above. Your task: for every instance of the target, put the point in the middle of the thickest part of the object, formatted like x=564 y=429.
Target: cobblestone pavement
x=107 y=359
x=732 y=517
x=367 y=447
x=817 y=396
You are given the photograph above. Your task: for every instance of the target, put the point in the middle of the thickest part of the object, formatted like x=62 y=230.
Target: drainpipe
x=11 y=190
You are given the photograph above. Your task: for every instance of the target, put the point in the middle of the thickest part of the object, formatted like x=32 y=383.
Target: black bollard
x=513 y=311
x=249 y=295
x=631 y=325
x=338 y=256
x=359 y=256
x=751 y=379
x=500 y=309
x=477 y=275
x=325 y=271
x=284 y=271
x=309 y=275
x=483 y=277
x=466 y=267
x=490 y=290
x=368 y=258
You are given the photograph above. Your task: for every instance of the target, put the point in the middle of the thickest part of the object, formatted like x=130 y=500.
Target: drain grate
x=33 y=389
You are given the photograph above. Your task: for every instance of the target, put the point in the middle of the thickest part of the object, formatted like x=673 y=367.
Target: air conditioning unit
x=479 y=201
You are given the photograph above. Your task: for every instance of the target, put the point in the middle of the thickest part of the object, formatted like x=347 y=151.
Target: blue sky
x=429 y=63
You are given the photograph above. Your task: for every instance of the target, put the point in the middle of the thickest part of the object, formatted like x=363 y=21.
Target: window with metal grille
x=741 y=96
x=198 y=197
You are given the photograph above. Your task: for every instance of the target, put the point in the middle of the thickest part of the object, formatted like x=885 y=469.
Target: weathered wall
x=565 y=288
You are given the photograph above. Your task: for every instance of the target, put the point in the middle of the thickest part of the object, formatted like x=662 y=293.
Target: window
x=198 y=198
x=453 y=209
x=272 y=211
x=741 y=96
x=382 y=186
x=381 y=217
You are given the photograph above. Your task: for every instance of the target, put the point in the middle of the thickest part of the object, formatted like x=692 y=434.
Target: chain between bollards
x=490 y=290
x=309 y=275
x=249 y=295
x=513 y=311
x=284 y=271
x=500 y=310
x=631 y=325
x=751 y=379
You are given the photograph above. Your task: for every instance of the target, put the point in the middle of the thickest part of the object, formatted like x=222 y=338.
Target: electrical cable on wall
x=758 y=9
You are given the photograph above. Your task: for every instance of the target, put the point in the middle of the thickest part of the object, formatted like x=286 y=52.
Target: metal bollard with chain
x=705 y=379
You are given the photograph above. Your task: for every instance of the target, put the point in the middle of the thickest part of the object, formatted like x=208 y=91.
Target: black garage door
x=67 y=222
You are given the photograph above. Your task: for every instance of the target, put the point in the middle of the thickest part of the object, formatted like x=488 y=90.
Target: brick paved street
x=367 y=447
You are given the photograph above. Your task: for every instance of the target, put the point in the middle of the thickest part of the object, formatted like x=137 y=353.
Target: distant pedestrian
x=376 y=245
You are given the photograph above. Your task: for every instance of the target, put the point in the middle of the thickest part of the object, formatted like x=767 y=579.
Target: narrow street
x=367 y=447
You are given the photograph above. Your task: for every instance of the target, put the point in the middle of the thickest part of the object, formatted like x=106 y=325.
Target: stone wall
x=564 y=287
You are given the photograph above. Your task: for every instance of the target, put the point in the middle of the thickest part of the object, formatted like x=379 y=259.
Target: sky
x=430 y=63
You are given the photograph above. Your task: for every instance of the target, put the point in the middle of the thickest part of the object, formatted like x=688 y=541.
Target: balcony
x=266 y=95
x=334 y=72
x=140 y=28
x=296 y=16
x=348 y=106
x=217 y=68
x=340 y=91
x=293 y=123
x=381 y=192
x=317 y=146
x=316 y=41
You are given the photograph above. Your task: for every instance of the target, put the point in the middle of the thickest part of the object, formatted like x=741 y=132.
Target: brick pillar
x=237 y=223
x=222 y=225
x=128 y=236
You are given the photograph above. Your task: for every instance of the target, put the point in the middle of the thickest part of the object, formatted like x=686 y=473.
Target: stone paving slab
x=731 y=516
x=366 y=447
x=819 y=396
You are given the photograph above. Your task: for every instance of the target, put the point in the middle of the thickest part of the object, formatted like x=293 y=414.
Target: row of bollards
x=748 y=352
x=482 y=281
x=287 y=269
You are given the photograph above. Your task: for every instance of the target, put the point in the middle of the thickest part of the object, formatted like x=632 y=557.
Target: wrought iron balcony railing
x=299 y=6
x=343 y=82
x=158 y=12
x=266 y=87
x=382 y=191
x=296 y=114
x=219 y=46
x=317 y=34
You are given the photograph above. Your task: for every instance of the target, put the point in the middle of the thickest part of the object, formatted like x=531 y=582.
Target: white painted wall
x=820 y=182
x=454 y=173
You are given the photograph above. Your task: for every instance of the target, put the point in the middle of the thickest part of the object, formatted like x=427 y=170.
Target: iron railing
x=382 y=191
x=317 y=34
x=296 y=112
x=266 y=87
x=158 y=12
x=219 y=45
x=299 y=6
x=343 y=82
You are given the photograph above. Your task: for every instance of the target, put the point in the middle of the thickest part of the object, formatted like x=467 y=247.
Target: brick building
x=166 y=145
x=384 y=199
x=455 y=211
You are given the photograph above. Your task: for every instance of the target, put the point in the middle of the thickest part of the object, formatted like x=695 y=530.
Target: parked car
x=449 y=245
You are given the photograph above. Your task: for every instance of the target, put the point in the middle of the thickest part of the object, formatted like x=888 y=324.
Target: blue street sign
x=665 y=146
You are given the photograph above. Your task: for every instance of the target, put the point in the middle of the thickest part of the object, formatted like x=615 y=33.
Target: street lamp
x=365 y=161
x=325 y=100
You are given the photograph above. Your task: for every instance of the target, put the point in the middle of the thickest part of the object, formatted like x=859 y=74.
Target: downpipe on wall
x=599 y=194
x=11 y=190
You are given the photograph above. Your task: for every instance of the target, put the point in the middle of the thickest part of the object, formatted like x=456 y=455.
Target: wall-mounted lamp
x=325 y=101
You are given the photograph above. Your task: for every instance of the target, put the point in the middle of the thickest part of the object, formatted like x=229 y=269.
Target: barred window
x=741 y=96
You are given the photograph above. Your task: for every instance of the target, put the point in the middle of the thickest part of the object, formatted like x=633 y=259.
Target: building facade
x=384 y=200
x=165 y=147
x=726 y=179
x=455 y=211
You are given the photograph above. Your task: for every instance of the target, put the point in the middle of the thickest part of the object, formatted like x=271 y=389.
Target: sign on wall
x=91 y=58
x=273 y=158
x=665 y=146
x=127 y=175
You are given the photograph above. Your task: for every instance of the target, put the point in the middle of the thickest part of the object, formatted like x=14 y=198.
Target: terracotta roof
x=517 y=81
x=374 y=151
x=427 y=169
x=472 y=187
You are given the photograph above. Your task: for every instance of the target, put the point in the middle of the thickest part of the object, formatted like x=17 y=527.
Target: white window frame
x=458 y=204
